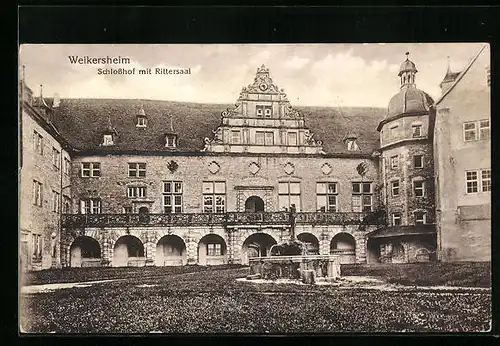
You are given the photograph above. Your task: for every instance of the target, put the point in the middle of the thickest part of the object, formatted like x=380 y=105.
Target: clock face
x=263 y=87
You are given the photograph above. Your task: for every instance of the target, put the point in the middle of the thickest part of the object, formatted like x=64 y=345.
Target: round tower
x=407 y=169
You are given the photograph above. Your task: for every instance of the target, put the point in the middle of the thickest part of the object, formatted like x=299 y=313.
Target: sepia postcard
x=254 y=188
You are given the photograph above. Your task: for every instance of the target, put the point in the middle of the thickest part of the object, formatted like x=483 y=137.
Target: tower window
x=418 y=161
x=395 y=188
x=420 y=218
x=419 y=188
x=395 y=162
x=416 y=131
x=396 y=219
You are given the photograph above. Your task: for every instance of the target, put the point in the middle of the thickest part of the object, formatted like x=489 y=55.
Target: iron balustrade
x=220 y=219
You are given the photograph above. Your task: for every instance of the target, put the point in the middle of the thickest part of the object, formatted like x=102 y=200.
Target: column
x=192 y=251
x=360 y=249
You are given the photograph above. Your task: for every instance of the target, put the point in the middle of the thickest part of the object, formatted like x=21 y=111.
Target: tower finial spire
x=41 y=91
x=407 y=55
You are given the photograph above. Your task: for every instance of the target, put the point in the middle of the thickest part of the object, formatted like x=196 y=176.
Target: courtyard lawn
x=473 y=274
x=210 y=300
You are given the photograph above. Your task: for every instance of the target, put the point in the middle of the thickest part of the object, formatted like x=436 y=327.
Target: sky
x=335 y=75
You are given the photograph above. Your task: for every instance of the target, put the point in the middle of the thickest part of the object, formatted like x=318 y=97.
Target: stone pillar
x=149 y=253
x=324 y=242
x=360 y=249
x=192 y=250
x=106 y=250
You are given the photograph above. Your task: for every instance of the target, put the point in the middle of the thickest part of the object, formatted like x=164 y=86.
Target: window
x=362 y=197
x=352 y=145
x=486 y=180
x=470 y=131
x=55 y=201
x=235 y=137
x=141 y=122
x=37 y=193
x=56 y=158
x=170 y=140
x=419 y=188
x=264 y=111
x=127 y=210
x=395 y=188
x=67 y=205
x=393 y=132
x=259 y=110
x=108 y=140
x=136 y=170
x=416 y=131
x=418 y=161
x=288 y=194
x=91 y=169
x=396 y=219
x=214 y=197
x=214 y=249
x=38 y=142
x=90 y=206
x=394 y=162
x=478 y=181
x=136 y=191
x=484 y=129
x=172 y=196
x=37 y=245
x=264 y=138
x=420 y=218
x=67 y=165
x=326 y=194
x=292 y=138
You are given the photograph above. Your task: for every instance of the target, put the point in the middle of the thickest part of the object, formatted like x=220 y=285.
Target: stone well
x=314 y=267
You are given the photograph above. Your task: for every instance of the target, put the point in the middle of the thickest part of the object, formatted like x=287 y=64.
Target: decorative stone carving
x=254 y=168
x=172 y=166
x=326 y=168
x=289 y=168
x=213 y=167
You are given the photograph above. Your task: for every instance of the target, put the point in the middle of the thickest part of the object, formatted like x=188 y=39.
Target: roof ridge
x=461 y=74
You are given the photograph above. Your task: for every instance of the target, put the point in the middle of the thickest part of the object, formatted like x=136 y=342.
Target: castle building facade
x=164 y=183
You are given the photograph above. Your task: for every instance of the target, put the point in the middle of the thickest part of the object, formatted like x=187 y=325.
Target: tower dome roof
x=407 y=101
x=407 y=65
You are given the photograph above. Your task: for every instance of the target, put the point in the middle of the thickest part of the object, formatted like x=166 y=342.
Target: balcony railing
x=223 y=219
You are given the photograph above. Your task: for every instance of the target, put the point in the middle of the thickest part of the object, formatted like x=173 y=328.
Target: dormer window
x=141 y=121
x=171 y=141
x=352 y=145
x=108 y=140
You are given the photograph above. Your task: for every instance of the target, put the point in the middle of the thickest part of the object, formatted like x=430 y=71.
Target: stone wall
x=41 y=219
x=463 y=235
x=244 y=176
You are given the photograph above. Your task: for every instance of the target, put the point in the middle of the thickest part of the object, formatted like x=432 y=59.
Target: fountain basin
x=308 y=268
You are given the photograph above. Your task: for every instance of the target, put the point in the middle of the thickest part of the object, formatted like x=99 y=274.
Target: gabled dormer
x=350 y=141
x=141 y=118
x=109 y=134
x=171 y=136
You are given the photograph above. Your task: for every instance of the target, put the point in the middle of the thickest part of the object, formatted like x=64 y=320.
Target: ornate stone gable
x=263 y=121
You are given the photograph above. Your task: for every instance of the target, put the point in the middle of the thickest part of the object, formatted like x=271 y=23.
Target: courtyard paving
x=214 y=300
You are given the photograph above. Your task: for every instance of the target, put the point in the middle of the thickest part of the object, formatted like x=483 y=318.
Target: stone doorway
x=254 y=204
x=85 y=252
x=128 y=251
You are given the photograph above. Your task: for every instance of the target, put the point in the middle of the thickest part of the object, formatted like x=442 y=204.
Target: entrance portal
x=254 y=204
x=256 y=245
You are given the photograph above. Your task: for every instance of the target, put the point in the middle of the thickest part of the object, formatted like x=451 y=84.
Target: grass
x=472 y=274
x=210 y=300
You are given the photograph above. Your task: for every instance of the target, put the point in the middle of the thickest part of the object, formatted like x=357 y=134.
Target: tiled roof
x=395 y=231
x=82 y=122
